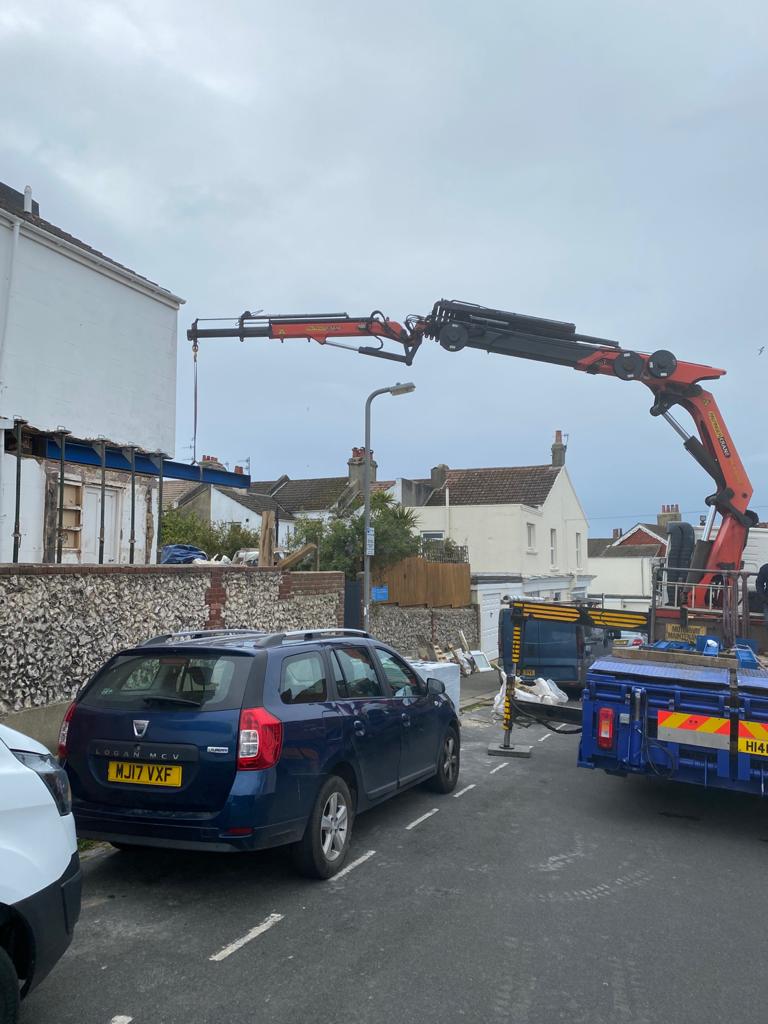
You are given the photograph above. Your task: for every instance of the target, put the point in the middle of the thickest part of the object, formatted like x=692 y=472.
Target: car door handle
x=359 y=728
x=405 y=719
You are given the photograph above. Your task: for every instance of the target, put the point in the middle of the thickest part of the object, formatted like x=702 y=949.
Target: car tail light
x=260 y=741
x=605 y=723
x=637 y=642
x=64 y=730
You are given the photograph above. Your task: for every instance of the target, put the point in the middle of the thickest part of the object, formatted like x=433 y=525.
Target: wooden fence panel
x=416 y=582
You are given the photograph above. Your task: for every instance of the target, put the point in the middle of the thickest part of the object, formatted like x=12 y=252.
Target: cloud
x=595 y=162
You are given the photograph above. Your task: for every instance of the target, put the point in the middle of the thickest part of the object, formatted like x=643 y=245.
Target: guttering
x=90 y=259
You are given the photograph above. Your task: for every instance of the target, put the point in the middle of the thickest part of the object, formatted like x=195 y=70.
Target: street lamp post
x=396 y=389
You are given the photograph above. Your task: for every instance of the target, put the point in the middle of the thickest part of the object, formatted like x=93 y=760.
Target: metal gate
x=353 y=604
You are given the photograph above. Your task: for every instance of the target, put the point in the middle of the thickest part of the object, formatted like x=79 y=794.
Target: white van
x=39 y=867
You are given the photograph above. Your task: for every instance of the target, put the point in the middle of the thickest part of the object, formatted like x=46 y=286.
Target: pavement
x=478 y=687
x=536 y=892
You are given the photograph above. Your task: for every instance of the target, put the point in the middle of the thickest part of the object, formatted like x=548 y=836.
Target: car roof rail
x=324 y=632
x=191 y=635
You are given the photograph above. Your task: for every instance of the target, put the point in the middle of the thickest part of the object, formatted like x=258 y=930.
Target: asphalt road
x=544 y=893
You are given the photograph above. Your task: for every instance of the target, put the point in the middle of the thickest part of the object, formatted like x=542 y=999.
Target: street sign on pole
x=370 y=542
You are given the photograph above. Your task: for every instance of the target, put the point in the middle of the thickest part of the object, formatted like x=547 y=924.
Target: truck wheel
x=324 y=848
x=448 y=763
x=9 y=990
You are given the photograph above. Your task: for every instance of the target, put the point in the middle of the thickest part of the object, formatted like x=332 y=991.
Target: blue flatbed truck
x=674 y=713
x=684 y=716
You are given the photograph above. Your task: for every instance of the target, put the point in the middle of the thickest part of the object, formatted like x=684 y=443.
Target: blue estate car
x=241 y=740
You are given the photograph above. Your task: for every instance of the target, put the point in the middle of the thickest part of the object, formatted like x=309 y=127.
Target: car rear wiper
x=161 y=699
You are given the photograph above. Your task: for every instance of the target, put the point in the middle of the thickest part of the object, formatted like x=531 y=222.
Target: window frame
x=531 y=537
x=553 y=547
x=579 y=556
x=293 y=657
x=382 y=683
x=421 y=687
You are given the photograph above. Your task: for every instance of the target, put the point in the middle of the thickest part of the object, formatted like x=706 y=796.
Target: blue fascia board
x=88 y=455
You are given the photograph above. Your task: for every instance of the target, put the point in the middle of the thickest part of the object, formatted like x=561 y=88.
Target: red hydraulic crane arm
x=458 y=325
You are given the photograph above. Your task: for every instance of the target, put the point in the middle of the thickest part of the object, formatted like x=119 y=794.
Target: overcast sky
x=598 y=162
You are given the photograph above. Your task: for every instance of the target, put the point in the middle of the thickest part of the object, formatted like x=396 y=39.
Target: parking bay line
x=424 y=817
x=121 y=1019
x=504 y=764
x=353 y=865
x=544 y=737
x=463 y=791
x=254 y=933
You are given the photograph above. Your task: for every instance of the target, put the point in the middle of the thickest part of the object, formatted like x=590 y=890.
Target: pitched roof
x=175 y=490
x=503 y=485
x=35 y=220
x=256 y=502
x=652 y=528
x=315 y=495
x=596 y=546
x=632 y=551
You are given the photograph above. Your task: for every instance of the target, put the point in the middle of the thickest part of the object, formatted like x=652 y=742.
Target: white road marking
x=353 y=865
x=121 y=1020
x=422 y=818
x=463 y=791
x=544 y=737
x=254 y=933
x=504 y=764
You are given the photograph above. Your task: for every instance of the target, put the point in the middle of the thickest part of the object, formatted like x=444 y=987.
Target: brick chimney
x=356 y=466
x=211 y=462
x=438 y=475
x=239 y=470
x=558 y=449
x=668 y=514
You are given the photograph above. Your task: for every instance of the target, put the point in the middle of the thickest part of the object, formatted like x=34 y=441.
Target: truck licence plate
x=144 y=774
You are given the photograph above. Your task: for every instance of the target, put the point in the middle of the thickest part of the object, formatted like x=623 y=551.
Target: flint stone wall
x=408 y=629
x=59 y=624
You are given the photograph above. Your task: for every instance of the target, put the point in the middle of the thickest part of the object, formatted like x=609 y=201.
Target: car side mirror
x=435 y=687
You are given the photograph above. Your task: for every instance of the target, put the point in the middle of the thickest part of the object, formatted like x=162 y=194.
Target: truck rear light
x=605 y=722
x=64 y=730
x=260 y=740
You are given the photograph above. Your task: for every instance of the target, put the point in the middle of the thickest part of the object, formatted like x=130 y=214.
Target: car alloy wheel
x=334 y=826
x=450 y=758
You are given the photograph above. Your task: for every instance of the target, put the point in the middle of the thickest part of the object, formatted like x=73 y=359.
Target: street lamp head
x=402 y=389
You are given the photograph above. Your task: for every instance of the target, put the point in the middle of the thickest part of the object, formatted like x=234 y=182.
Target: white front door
x=92 y=525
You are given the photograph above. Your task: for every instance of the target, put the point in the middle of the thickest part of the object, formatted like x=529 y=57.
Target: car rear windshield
x=181 y=682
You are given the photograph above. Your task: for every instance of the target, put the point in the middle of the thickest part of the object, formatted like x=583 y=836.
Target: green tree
x=340 y=539
x=180 y=527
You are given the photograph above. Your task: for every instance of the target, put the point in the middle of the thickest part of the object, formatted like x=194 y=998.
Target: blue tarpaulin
x=181 y=554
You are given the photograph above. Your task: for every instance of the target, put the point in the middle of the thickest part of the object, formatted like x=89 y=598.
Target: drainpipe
x=17 y=511
x=447 y=513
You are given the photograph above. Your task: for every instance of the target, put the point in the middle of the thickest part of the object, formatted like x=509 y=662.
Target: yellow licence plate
x=144 y=774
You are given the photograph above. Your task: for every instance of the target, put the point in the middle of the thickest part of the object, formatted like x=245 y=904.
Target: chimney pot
x=616 y=532
x=239 y=470
x=669 y=514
